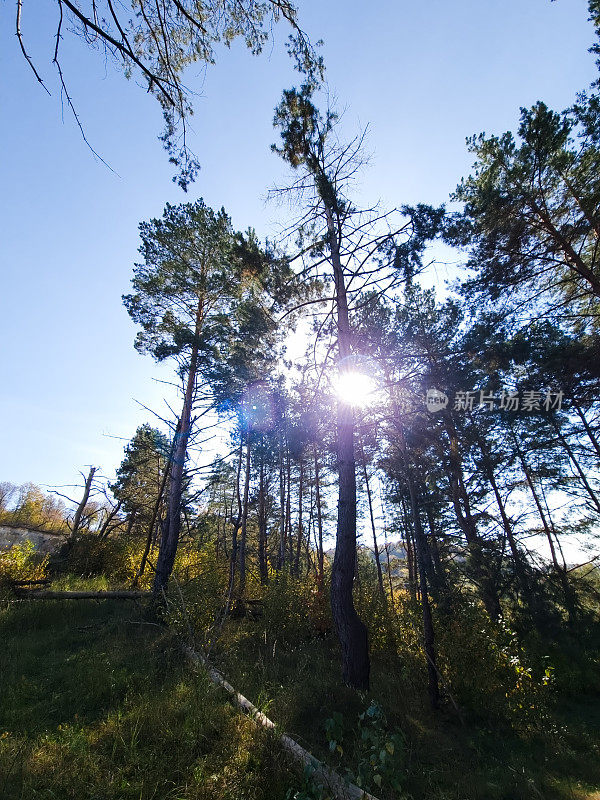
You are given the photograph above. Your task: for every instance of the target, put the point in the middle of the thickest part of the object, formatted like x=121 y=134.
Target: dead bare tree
x=76 y=523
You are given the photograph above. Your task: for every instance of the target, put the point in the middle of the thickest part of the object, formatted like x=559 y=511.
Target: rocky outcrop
x=43 y=542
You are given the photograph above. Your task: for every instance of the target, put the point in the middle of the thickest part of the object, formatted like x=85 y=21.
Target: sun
x=355 y=388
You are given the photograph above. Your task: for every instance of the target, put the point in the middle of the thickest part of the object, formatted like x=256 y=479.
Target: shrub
x=20 y=563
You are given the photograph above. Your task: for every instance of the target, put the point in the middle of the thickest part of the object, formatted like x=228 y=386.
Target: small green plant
x=334 y=729
x=309 y=789
x=378 y=755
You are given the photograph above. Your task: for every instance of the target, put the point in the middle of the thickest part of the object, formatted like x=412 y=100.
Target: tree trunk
x=300 y=532
x=155 y=512
x=518 y=559
x=235 y=523
x=479 y=569
x=106 y=529
x=350 y=629
x=172 y=523
x=588 y=429
x=576 y=464
x=281 y=559
x=321 y=554
x=569 y=595
x=262 y=525
x=373 y=529
x=441 y=579
x=288 y=512
x=82 y=505
x=423 y=558
x=244 y=525
x=410 y=553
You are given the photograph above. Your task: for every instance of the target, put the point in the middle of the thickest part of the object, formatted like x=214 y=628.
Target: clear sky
x=423 y=75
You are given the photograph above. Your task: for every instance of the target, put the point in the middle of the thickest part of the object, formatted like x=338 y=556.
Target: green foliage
x=202 y=287
x=530 y=215
x=309 y=789
x=290 y=607
x=490 y=671
x=196 y=602
x=115 y=559
x=139 y=475
x=27 y=506
x=377 y=755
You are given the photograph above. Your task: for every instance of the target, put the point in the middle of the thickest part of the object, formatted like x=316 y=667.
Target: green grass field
x=95 y=705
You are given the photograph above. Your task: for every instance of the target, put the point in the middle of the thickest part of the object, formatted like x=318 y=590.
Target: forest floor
x=96 y=704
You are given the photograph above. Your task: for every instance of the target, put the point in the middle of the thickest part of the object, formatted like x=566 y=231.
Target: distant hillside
x=395 y=550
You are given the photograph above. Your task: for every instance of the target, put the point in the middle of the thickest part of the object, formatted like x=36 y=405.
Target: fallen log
x=43 y=594
x=321 y=774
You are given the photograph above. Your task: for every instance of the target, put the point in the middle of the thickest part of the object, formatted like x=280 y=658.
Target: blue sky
x=423 y=76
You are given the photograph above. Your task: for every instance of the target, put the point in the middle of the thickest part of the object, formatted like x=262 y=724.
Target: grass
x=442 y=758
x=95 y=705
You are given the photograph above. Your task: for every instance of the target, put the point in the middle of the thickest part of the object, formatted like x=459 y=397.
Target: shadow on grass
x=96 y=705
x=298 y=685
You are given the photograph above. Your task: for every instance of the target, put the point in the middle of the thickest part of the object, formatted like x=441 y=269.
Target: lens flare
x=355 y=388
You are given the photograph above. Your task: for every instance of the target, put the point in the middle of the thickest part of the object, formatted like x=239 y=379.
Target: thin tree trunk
x=155 y=512
x=281 y=559
x=587 y=427
x=576 y=464
x=373 y=529
x=236 y=523
x=105 y=529
x=480 y=570
x=428 y=632
x=410 y=551
x=441 y=579
x=262 y=525
x=389 y=572
x=562 y=573
x=130 y=522
x=520 y=565
x=300 y=532
x=288 y=512
x=321 y=554
x=244 y=531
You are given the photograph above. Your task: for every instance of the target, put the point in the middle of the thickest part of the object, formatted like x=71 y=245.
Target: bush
x=115 y=559
x=20 y=563
x=489 y=670
x=377 y=754
x=295 y=609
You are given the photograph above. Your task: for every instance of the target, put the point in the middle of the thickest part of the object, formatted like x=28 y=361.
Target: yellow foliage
x=21 y=562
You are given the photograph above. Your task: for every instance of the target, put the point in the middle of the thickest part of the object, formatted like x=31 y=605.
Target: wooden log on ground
x=322 y=774
x=43 y=594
